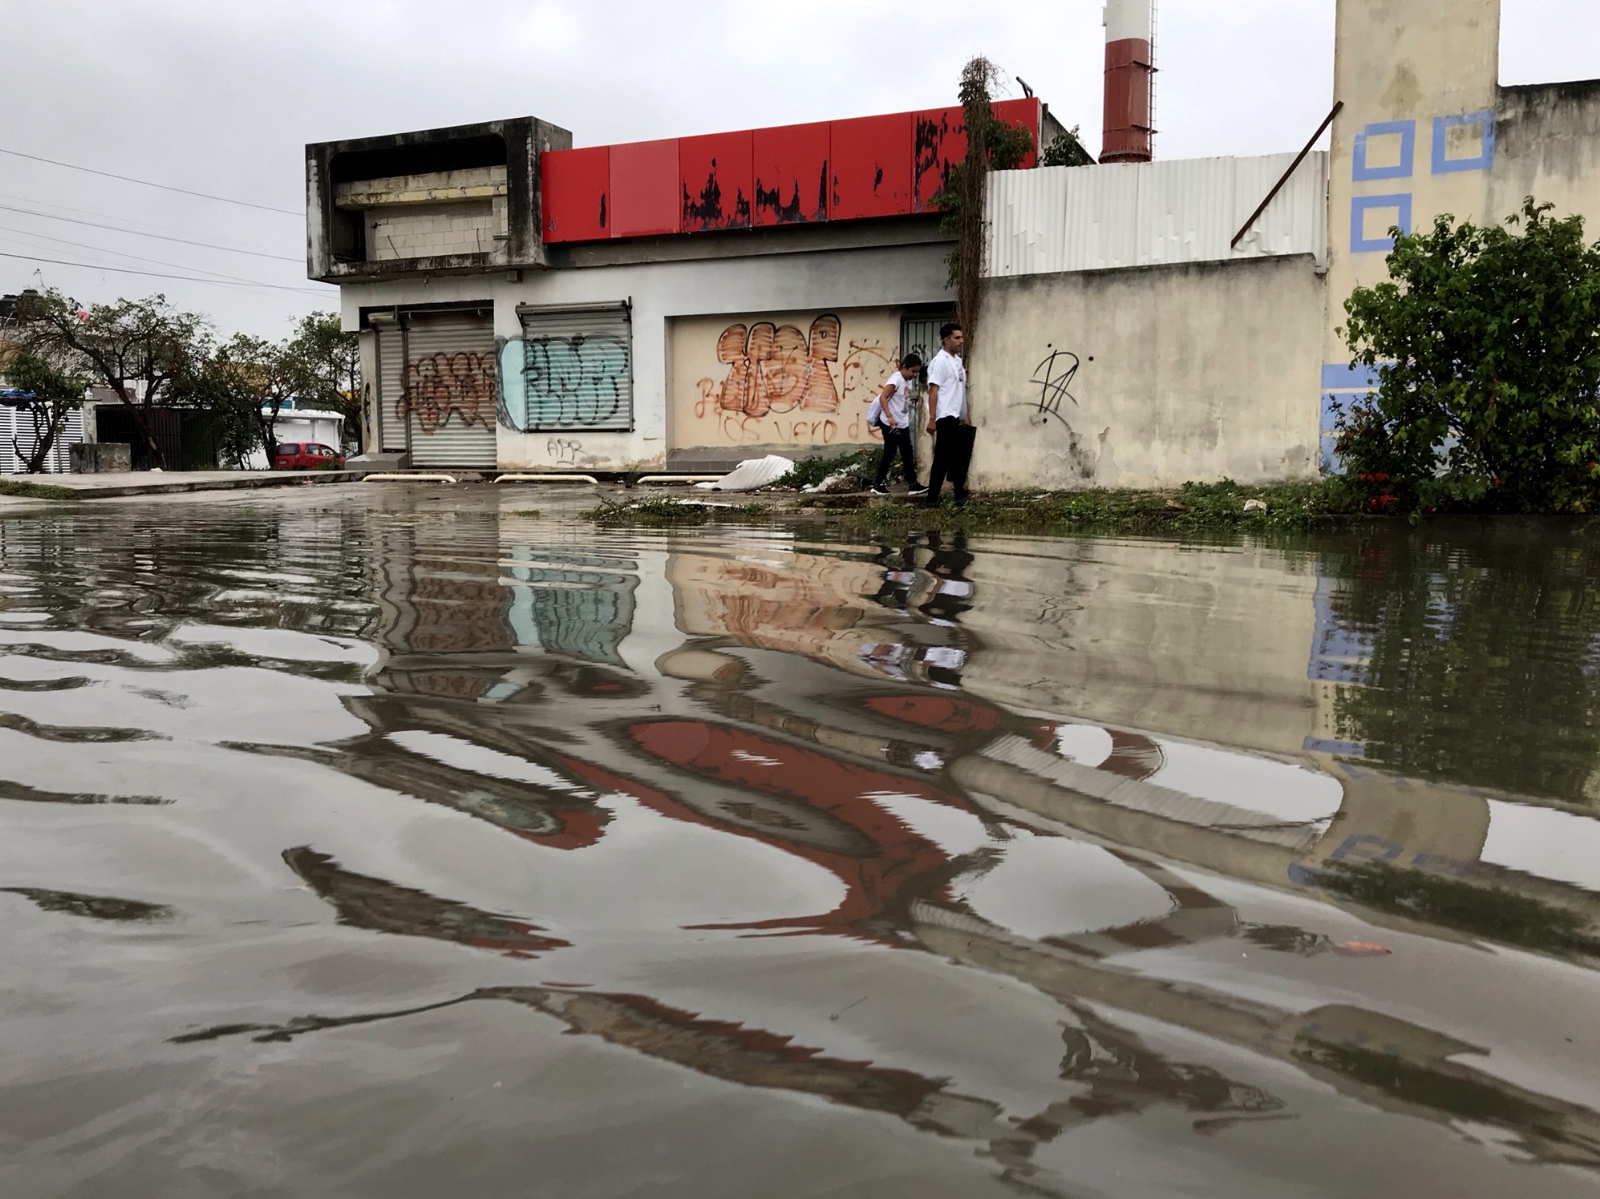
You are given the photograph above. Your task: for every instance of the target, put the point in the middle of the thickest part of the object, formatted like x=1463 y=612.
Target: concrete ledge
x=111 y=486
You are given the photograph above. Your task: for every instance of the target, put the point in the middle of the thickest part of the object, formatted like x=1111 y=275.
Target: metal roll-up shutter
x=577 y=369
x=391 y=365
x=448 y=389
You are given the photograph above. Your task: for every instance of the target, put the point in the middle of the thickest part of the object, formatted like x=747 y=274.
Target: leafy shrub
x=1487 y=347
x=860 y=465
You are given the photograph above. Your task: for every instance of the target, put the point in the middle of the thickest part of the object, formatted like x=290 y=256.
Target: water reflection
x=1145 y=788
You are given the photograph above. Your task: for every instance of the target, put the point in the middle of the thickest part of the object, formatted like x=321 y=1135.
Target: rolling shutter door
x=448 y=389
x=577 y=370
x=391 y=364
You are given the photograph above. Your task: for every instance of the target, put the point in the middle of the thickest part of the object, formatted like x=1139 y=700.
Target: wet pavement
x=371 y=840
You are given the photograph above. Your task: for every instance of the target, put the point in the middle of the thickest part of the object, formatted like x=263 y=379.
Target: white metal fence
x=1055 y=219
x=16 y=431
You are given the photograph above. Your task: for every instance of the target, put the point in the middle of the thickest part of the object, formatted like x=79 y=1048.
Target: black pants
x=897 y=441
x=952 y=454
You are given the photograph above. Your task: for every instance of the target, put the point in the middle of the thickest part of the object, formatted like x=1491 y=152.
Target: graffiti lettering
x=1053 y=377
x=435 y=386
x=778 y=369
x=566 y=382
x=564 y=450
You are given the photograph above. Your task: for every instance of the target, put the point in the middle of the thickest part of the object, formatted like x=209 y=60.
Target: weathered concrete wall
x=1426 y=129
x=1548 y=147
x=779 y=382
x=719 y=288
x=1149 y=376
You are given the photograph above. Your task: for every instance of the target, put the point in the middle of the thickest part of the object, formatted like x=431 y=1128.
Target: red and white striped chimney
x=1130 y=81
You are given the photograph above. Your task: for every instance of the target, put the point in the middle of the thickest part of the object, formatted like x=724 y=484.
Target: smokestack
x=1130 y=81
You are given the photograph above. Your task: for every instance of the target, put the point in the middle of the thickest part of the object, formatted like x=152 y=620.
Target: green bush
x=1487 y=347
x=860 y=465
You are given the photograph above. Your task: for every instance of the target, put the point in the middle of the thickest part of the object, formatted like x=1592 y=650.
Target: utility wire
x=92 y=266
x=56 y=208
x=182 y=191
x=31 y=236
x=139 y=233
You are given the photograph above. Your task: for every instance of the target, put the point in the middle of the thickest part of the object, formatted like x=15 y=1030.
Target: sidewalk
x=142 y=482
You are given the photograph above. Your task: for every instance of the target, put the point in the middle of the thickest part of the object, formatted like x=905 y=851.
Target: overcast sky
x=222 y=97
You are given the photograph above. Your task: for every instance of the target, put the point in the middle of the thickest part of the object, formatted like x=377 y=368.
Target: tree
x=1067 y=151
x=55 y=394
x=329 y=360
x=1487 y=346
x=137 y=348
x=992 y=144
x=244 y=384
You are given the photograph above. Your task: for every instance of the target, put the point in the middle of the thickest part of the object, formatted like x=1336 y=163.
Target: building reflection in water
x=813 y=697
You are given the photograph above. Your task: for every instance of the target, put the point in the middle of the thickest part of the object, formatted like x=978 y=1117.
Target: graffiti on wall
x=442 y=383
x=576 y=382
x=783 y=381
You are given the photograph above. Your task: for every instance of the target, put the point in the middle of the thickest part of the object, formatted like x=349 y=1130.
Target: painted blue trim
x=1341 y=376
x=1483 y=162
x=1407 y=130
x=1358 y=210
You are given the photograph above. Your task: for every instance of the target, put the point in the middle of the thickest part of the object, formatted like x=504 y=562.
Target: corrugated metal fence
x=16 y=431
x=1054 y=219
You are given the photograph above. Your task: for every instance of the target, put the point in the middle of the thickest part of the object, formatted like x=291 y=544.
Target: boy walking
x=894 y=418
x=948 y=419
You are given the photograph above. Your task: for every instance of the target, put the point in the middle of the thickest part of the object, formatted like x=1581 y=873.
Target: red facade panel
x=791 y=173
x=644 y=189
x=939 y=141
x=716 y=176
x=574 y=190
x=871 y=165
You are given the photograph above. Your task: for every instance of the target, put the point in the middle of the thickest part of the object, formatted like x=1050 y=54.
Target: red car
x=307 y=455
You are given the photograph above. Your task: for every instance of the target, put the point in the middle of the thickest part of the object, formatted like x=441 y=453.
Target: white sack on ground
x=751 y=474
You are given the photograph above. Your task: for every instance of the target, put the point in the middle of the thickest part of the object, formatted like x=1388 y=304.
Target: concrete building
x=687 y=303
x=684 y=303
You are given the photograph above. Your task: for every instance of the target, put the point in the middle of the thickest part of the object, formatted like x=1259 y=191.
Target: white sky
x=222 y=97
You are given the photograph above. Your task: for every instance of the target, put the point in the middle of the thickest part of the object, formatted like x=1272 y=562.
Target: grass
x=1192 y=508
x=35 y=491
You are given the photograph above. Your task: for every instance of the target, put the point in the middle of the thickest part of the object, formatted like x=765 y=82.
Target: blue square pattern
x=1407 y=130
x=1361 y=205
x=1484 y=160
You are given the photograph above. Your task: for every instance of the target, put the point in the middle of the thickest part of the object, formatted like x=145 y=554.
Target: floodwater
x=399 y=843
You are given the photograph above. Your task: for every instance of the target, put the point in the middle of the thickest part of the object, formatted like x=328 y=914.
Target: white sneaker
x=917 y=493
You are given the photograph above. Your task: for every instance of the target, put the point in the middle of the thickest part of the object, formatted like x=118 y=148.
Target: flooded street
x=398 y=842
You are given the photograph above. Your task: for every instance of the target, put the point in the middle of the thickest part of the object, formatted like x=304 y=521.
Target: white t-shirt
x=899 y=405
x=950 y=376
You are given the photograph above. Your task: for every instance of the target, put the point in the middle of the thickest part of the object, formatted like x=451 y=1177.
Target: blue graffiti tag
x=578 y=382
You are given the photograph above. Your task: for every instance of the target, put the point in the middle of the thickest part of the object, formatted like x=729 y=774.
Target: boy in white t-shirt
x=894 y=418
x=948 y=419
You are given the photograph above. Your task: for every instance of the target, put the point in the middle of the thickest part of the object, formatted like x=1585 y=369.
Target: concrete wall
x=1426 y=129
x=660 y=292
x=1547 y=145
x=779 y=382
x=1149 y=376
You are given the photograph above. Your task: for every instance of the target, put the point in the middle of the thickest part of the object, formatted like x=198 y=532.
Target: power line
x=78 y=245
x=93 y=266
x=56 y=207
x=166 y=187
x=49 y=216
